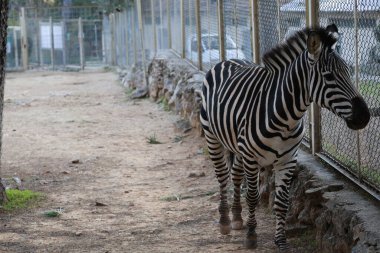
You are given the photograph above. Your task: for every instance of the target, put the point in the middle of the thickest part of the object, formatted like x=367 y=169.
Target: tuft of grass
x=178 y=138
x=164 y=103
x=53 y=213
x=108 y=68
x=153 y=140
x=18 y=199
x=129 y=91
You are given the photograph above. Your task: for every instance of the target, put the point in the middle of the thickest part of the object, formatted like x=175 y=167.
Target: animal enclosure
x=205 y=32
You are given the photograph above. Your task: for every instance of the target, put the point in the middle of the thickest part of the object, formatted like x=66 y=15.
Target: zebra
x=254 y=113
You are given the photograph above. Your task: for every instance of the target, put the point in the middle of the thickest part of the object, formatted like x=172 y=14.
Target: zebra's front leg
x=283 y=179
x=237 y=178
x=251 y=169
x=216 y=151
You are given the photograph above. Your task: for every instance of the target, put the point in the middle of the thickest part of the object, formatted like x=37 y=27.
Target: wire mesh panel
x=209 y=33
x=191 y=41
x=369 y=85
x=291 y=19
x=53 y=39
x=358 y=152
x=175 y=14
x=237 y=29
x=268 y=25
x=162 y=25
x=14 y=61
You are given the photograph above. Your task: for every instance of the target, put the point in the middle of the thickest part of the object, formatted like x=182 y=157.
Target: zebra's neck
x=290 y=94
x=281 y=56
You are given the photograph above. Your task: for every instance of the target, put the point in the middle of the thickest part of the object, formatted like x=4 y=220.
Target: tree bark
x=3 y=54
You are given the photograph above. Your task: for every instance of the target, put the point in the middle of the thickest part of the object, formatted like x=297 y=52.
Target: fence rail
x=205 y=32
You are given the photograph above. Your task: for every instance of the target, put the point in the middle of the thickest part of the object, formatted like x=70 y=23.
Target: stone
x=141 y=92
x=182 y=125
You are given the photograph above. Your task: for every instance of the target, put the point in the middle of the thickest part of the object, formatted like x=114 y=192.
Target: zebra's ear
x=314 y=45
x=332 y=32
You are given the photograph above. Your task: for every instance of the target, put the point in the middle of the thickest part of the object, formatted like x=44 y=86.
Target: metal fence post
x=51 y=42
x=255 y=33
x=315 y=119
x=222 y=53
x=356 y=17
x=183 y=32
x=198 y=27
x=81 y=47
x=24 y=40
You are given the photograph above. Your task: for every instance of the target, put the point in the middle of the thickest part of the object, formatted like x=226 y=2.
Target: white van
x=210 y=49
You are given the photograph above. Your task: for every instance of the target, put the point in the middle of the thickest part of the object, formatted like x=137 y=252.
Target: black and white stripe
x=255 y=113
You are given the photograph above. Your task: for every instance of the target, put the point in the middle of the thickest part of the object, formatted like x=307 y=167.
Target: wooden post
x=357 y=73
x=154 y=27
x=51 y=42
x=183 y=32
x=113 y=47
x=255 y=31
x=3 y=55
x=127 y=45
x=15 y=44
x=199 y=31
x=169 y=24
x=222 y=53
x=141 y=30
x=81 y=47
x=63 y=24
x=24 y=40
x=315 y=111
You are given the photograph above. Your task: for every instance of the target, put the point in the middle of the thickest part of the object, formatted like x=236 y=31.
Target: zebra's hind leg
x=237 y=178
x=222 y=171
x=251 y=169
x=283 y=179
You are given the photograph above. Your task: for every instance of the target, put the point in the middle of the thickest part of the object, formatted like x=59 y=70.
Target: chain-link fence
x=205 y=32
x=55 y=38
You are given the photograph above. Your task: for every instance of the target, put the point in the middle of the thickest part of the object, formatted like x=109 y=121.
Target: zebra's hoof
x=225 y=229
x=287 y=250
x=237 y=225
x=284 y=248
x=251 y=240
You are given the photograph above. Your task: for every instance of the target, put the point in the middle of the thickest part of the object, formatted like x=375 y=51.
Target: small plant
x=129 y=91
x=153 y=140
x=18 y=199
x=53 y=213
x=178 y=138
x=164 y=103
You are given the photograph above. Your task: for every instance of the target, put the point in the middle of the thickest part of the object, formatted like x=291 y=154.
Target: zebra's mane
x=296 y=44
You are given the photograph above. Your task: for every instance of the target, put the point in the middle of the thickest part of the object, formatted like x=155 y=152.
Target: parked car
x=210 y=49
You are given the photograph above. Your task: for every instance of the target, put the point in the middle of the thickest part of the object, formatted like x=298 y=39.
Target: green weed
x=153 y=140
x=20 y=199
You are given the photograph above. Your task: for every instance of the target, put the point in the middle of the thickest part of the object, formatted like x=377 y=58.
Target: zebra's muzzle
x=360 y=114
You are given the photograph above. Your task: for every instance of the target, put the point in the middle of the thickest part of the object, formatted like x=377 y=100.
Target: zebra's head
x=331 y=85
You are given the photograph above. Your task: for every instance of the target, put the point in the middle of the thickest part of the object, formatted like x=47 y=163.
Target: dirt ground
x=79 y=140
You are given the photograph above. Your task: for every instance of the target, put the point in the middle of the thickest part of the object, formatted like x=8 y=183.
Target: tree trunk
x=3 y=54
